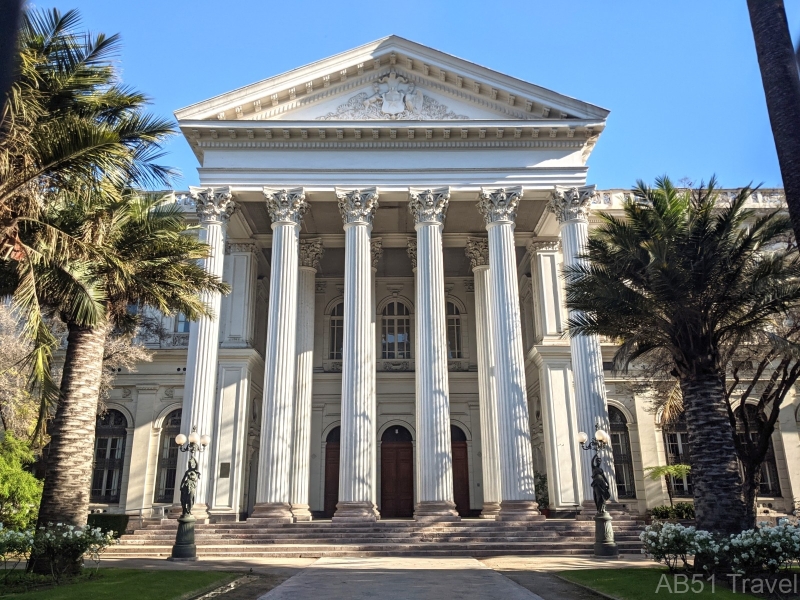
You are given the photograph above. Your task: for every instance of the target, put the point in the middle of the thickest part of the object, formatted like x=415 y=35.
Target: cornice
x=395 y=144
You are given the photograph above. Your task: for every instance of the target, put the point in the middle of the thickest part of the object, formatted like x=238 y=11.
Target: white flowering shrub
x=765 y=549
x=668 y=543
x=15 y=547
x=64 y=547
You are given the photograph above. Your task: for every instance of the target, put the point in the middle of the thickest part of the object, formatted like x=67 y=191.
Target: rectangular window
x=454 y=337
x=337 y=335
x=679 y=452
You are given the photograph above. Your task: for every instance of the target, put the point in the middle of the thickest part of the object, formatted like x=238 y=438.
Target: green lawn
x=642 y=583
x=133 y=584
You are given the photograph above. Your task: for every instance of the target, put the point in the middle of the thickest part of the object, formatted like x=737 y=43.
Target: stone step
x=367 y=540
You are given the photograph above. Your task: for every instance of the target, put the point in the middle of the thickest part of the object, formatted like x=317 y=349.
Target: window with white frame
x=454 y=331
x=336 y=332
x=395 y=331
x=679 y=451
x=109 y=456
x=181 y=323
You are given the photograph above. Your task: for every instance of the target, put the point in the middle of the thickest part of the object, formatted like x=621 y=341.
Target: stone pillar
x=518 y=496
x=571 y=208
x=357 y=469
x=376 y=251
x=238 y=307
x=477 y=250
x=310 y=255
x=214 y=208
x=552 y=357
x=434 y=451
x=286 y=209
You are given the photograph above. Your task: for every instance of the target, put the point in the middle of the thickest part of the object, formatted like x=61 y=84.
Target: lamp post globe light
x=604 y=544
x=184 y=547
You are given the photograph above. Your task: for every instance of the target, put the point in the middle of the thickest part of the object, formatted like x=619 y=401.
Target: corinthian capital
x=213 y=204
x=286 y=205
x=571 y=204
x=428 y=206
x=311 y=252
x=477 y=251
x=358 y=205
x=499 y=204
x=376 y=250
x=411 y=249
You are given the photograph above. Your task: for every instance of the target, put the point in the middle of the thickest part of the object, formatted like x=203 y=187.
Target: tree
x=20 y=491
x=669 y=472
x=779 y=75
x=693 y=276
x=65 y=119
x=141 y=254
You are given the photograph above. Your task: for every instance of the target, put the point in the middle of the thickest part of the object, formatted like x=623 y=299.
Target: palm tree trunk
x=779 y=75
x=750 y=486
x=68 y=472
x=717 y=485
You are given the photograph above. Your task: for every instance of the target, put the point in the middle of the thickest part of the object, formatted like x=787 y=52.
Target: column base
x=519 y=510
x=490 y=510
x=301 y=512
x=271 y=513
x=433 y=510
x=355 y=512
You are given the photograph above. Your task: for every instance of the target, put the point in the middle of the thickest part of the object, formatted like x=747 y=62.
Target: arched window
x=168 y=457
x=621 y=447
x=395 y=331
x=769 y=485
x=109 y=455
x=453 y=331
x=679 y=451
x=181 y=323
x=337 y=332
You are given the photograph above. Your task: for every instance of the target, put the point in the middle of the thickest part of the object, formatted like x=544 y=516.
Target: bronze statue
x=189 y=486
x=600 y=487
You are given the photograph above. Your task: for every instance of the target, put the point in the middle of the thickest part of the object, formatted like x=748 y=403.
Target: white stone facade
x=392 y=222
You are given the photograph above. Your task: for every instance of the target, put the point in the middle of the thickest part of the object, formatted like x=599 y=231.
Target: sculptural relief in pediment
x=393 y=97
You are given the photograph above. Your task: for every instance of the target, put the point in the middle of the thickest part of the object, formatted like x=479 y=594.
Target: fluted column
x=310 y=254
x=434 y=450
x=477 y=250
x=214 y=208
x=518 y=496
x=357 y=468
x=286 y=209
x=571 y=208
x=376 y=251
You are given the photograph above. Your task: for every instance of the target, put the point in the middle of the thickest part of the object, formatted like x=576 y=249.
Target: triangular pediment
x=392 y=79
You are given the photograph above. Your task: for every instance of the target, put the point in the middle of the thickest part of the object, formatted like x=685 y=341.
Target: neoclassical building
x=392 y=222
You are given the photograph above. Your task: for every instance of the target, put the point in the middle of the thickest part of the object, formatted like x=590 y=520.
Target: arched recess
x=621 y=448
x=166 y=470
x=394 y=329
x=397 y=472
x=158 y=422
x=112 y=431
x=460 y=454
x=332 y=437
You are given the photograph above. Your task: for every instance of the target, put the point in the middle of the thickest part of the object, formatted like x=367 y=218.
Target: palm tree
x=140 y=254
x=779 y=75
x=687 y=274
x=65 y=119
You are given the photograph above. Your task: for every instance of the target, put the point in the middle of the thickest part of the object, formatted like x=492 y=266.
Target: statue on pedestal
x=189 y=486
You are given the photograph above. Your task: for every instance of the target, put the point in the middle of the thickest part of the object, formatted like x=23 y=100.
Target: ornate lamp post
x=604 y=544
x=184 y=547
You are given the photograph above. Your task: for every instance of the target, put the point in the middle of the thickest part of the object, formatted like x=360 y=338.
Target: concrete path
x=399 y=579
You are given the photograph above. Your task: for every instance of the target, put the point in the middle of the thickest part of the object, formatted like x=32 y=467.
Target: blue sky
x=680 y=77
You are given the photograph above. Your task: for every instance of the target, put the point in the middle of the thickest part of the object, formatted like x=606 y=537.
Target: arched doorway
x=397 y=473
x=460 y=470
x=621 y=448
x=332 y=471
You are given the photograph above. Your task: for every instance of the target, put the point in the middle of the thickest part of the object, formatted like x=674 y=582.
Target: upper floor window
x=181 y=323
x=337 y=332
x=621 y=448
x=395 y=331
x=109 y=455
x=454 y=332
x=768 y=486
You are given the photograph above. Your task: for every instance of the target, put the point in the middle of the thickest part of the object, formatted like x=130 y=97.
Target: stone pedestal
x=184 y=547
x=286 y=209
x=604 y=544
x=518 y=495
x=357 y=468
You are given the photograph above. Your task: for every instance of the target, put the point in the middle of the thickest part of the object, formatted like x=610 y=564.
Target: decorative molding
x=241 y=248
x=477 y=251
x=535 y=246
x=213 y=204
x=319 y=287
x=376 y=250
x=311 y=252
x=499 y=204
x=286 y=205
x=395 y=289
x=376 y=142
x=411 y=249
x=571 y=204
x=469 y=285
x=393 y=97
x=357 y=205
x=428 y=205
x=396 y=366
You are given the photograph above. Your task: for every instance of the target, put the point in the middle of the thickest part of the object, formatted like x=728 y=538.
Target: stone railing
x=762 y=198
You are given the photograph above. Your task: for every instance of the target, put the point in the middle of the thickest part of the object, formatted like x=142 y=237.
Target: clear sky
x=680 y=77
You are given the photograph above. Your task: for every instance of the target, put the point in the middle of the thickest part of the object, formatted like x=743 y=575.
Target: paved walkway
x=399 y=579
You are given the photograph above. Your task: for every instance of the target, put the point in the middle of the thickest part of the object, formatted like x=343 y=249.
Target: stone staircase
x=470 y=537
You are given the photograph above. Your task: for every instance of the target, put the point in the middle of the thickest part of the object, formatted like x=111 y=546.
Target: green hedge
x=681 y=510
x=109 y=522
